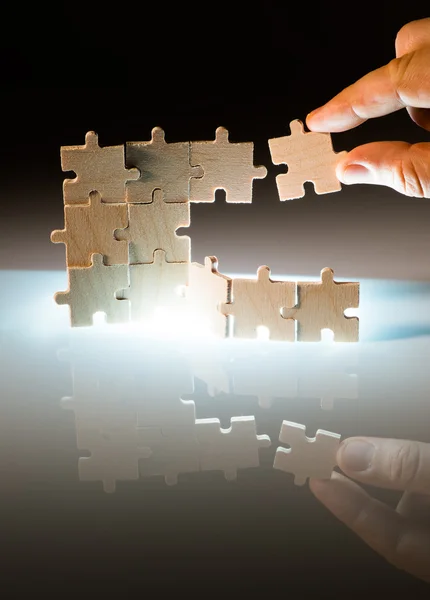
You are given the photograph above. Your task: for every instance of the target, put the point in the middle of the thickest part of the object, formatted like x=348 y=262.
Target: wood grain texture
x=310 y=157
x=227 y=166
x=321 y=305
x=153 y=226
x=89 y=230
x=258 y=302
x=162 y=165
x=207 y=291
x=97 y=169
x=93 y=289
x=155 y=286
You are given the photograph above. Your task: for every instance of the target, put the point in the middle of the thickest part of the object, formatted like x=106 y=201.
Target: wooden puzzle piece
x=162 y=165
x=322 y=305
x=155 y=285
x=110 y=463
x=310 y=157
x=207 y=290
x=307 y=457
x=165 y=412
x=229 y=449
x=171 y=455
x=97 y=169
x=153 y=226
x=93 y=289
x=226 y=166
x=258 y=302
x=89 y=230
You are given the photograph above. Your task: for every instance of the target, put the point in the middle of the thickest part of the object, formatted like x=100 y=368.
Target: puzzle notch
x=307 y=457
x=226 y=166
x=310 y=157
x=97 y=168
x=153 y=226
x=89 y=230
x=322 y=305
x=93 y=289
x=162 y=165
x=258 y=302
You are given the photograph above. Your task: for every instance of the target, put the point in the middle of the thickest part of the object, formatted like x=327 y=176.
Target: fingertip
x=320 y=487
x=314 y=121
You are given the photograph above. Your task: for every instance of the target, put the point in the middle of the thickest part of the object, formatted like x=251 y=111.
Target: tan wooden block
x=155 y=285
x=162 y=165
x=258 y=302
x=207 y=291
x=89 y=230
x=93 y=289
x=153 y=226
x=310 y=157
x=227 y=166
x=97 y=169
x=321 y=305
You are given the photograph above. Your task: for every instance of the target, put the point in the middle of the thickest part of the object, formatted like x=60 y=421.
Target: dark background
x=189 y=67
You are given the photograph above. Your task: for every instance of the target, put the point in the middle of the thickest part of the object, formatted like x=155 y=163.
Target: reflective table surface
x=104 y=486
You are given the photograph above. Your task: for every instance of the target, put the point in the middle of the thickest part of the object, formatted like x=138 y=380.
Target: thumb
x=399 y=165
x=386 y=463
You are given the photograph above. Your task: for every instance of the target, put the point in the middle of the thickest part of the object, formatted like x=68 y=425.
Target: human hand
x=402 y=83
x=401 y=535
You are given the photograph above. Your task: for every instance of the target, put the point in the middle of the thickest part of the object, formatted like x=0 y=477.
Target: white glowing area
x=31 y=309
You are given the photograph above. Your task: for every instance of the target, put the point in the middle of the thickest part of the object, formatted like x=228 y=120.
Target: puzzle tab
x=162 y=165
x=94 y=289
x=89 y=229
x=97 y=169
x=310 y=157
x=128 y=209
x=152 y=226
x=258 y=303
x=307 y=457
x=322 y=305
x=226 y=166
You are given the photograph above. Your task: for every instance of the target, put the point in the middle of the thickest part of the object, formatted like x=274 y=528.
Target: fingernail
x=356 y=174
x=314 y=113
x=357 y=455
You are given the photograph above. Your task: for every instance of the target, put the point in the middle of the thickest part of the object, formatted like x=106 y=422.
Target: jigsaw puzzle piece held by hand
x=307 y=457
x=162 y=165
x=93 y=289
x=258 y=303
x=310 y=157
x=97 y=169
x=229 y=449
x=153 y=226
x=206 y=292
x=226 y=166
x=89 y=230
x=322 y=305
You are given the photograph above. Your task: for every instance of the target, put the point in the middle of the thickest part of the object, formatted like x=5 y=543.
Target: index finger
x=404 y=81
